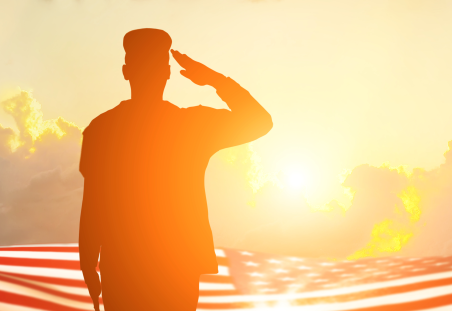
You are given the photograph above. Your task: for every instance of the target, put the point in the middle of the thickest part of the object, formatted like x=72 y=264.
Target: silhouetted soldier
x=144 y=163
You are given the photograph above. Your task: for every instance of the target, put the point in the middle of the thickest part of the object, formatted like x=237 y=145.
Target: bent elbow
x=266 y=124
x=269 y=124
x=261 y=126
x=253 y=127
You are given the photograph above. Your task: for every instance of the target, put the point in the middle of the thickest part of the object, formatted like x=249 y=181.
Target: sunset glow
x=295 y=178
x=357 y=164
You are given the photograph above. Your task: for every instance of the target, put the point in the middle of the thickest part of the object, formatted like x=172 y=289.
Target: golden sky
x=348 y=83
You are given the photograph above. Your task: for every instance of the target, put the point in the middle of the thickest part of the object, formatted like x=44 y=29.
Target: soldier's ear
x=125 y=72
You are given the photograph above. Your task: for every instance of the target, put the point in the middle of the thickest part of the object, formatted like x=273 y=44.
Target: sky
x=357 y=163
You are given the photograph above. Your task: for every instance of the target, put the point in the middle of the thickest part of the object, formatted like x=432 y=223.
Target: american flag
x=47 y=277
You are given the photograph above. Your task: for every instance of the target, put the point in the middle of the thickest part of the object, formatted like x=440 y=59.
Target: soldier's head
x=147 y=58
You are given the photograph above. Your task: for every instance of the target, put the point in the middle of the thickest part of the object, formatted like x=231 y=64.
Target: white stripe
x=218 y=251
x=42 y=245
x=222 y=270
x=216 y=286
x=363 y=303
x=41 y=255
x=381 y=301
x=444 y=308
x=22 y=290
x=324 y=293
x=49 y=272
x=10 y=307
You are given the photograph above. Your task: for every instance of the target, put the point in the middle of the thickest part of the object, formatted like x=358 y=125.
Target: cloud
x=40 y=186
x=393 y=210
x=433 y=235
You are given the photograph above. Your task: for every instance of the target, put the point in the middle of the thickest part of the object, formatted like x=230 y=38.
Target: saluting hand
x=198 y=73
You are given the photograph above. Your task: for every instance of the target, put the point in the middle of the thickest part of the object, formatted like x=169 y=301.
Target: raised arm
x=248 y=119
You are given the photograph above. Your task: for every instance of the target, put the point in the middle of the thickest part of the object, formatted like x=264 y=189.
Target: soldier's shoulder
x=105 y=119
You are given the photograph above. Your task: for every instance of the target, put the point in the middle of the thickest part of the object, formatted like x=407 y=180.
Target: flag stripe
x=70 y=247
x=48 y=278
x=40 y=263
x=78 y=294
x=218 y=292
x=442 y=308
x=64 y=264
x=55 y=273
x=205 y=278
x=12 y=307
x=42 y=296
x=340 y=298
x=71 y=274
x=27 y=301
x=40 y=255
x=318 y=303
x=442 y=301
x=41 y=246
x=330 y=292
x=435 y=297
x=215 y=286
x=68 y=260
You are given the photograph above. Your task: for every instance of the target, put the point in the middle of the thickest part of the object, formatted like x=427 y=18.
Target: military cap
x=147 y=43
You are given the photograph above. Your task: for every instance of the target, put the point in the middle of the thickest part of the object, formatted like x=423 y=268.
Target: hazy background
x=356 y=90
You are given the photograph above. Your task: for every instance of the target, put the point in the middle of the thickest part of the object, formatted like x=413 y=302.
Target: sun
x=294 y=178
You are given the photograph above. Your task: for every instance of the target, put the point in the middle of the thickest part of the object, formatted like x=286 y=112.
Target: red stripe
x=58 y=249
x=47 y=290
x=61 y=264
x=440 y=301
x=374 y=292
x=340 y=298
x=26 y=301
x=40 y=263
x=219 y=292
x=22 y=282
x=49 y=280
x=79 y=283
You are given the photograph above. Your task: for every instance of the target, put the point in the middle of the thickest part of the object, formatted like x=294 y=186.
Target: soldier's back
x=150 y=163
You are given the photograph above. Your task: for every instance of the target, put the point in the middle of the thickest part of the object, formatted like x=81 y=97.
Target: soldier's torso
x=153 y=163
